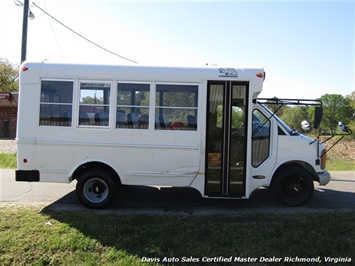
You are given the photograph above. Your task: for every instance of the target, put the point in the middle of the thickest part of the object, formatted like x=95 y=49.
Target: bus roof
x=142 y=73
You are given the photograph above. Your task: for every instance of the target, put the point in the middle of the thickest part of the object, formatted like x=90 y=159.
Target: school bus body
x=107 y=126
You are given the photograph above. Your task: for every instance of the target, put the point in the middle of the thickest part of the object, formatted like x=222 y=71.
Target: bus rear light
x=25 y=160
x=24 y=68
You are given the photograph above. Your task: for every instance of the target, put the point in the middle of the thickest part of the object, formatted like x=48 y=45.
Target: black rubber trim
x=27 y=175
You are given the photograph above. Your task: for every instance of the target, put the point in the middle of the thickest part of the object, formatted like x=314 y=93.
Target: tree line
x=335 y=106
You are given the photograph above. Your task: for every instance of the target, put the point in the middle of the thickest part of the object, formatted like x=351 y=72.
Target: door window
x=226 y=138
x=261 y=138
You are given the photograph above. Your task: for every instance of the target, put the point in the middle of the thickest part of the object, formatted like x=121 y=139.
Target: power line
x=125 y=58
x=18 y=3
x=55 y=35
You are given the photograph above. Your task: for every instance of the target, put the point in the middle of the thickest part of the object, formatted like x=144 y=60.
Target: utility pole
x=24 y=31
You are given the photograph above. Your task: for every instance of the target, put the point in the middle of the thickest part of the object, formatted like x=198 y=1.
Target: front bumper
x=324 y=178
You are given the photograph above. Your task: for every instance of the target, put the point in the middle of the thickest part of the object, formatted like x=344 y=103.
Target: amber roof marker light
x=261 y=75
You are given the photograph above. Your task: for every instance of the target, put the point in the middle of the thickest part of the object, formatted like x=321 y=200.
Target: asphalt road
x=338 y=195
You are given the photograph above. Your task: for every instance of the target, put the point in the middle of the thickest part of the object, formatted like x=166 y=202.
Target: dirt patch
x=345 y=149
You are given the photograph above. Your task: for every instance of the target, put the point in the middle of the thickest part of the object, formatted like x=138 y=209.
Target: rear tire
x=96 y=189
x=293 y=186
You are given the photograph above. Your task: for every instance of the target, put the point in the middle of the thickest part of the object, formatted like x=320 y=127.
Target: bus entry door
x=226 y=138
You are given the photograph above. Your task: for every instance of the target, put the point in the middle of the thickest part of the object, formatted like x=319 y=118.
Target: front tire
x=96 y=189
x=293 y=186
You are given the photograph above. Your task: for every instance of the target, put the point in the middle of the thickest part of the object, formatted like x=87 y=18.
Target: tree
x=293 y=116
x=275 y=107
x=335 y=108
x=8 y=76
x=351 y=98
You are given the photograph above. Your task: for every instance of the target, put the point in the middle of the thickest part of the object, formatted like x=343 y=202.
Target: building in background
x=8 y=114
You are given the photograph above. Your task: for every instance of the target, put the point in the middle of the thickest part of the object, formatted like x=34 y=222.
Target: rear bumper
x=324 y=178
x=27 y=175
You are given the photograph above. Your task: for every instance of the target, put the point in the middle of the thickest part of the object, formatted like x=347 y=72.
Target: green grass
x=7 y=160
x=94 y=238
x=339 y=164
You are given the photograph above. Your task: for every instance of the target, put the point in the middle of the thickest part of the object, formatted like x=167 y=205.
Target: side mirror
x=306 y=126
x=318 y=114
x=343 y=127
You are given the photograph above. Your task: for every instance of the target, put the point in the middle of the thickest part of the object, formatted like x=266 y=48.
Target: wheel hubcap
x=96 y=190
x=294 y=188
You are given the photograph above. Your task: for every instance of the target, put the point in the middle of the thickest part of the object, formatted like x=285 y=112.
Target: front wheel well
x=95 y=165
x=298 y=164
x=293 y=185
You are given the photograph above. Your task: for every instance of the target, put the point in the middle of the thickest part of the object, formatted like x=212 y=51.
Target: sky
x=306 y=47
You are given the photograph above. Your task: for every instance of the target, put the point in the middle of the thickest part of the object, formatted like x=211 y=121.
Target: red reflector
x=25 y=68
x=25 y=160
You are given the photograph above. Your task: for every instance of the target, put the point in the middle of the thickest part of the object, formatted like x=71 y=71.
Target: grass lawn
x=7 y=160
x=339 y=164
x=30 y=237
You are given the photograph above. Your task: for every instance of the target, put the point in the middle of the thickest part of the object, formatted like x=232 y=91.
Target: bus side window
x=132 y=105
x=94 y=103
x=56 y=103
x=176 y=107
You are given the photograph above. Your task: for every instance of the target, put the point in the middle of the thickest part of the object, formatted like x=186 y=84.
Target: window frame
x=71 y=104
x=107 y=106
x=158 y=106
x=261 y=138
x=147 y=107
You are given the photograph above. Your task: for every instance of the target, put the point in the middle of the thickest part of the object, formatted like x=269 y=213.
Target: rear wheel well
x=98 y=166
x=97 y=185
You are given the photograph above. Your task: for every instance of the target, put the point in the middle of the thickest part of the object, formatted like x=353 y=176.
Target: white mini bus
x=107 y=126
